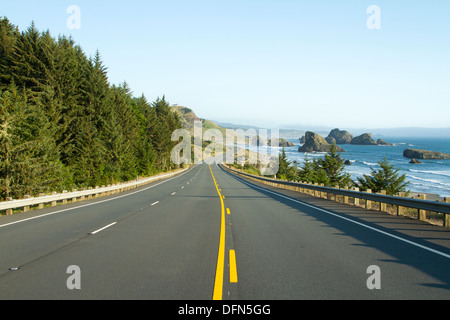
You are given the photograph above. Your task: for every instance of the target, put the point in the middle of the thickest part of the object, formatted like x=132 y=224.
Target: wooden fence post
x=356 y=200
x=41 y=205
x=9 y=212
x=368 y=202
x=26 y=208
x=447 y=216
x=346 y=197
x=400 y=209
x=382 y=204
x=422 y=213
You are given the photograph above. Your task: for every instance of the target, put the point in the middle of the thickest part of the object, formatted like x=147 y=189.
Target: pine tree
x=8 y=38
x=306 y=173
x=334 y=167
x=29 y=157
x=386 y=178
x=285 y=169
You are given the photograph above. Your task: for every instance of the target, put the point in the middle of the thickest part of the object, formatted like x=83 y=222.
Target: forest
x=64 y=126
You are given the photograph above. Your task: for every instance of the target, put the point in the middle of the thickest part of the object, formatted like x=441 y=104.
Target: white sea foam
x=433 y=182
x=370 y=163
x=432 y=172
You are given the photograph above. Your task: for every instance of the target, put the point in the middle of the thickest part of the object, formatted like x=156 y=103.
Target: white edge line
x=90 y=204
x=99 y=230
x=352 y=221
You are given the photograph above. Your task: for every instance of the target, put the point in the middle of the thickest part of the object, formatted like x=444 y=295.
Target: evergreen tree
x=306 y=172
x=29 y=157
x=386 y=178
x=285 y=169
x=334 y=167
x=8 y=38
x=63 y=125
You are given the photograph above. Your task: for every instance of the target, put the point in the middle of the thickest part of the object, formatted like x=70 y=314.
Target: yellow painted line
x=233 y=268
x=218 y=283
x=228 y=211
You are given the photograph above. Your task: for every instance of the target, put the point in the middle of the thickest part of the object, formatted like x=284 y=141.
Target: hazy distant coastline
x=289 y=132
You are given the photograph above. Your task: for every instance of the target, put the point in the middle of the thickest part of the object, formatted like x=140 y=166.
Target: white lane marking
x=173 y=194
x=352 y=221
x=153 y=204
x=90 y=204
x=99 y=230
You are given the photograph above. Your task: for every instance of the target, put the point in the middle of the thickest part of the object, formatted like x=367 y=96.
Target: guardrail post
x=322 y=194
x=41 y=205
x=447 y=216
x=9 y=212
x=64 y=200
x=337 y=198
x=400 y=209
x=422 y=213
x=346 y=197
x=26 y=208
x=382 y=204
x=355 y=199
x=53 y=203
x=74 y=199
x=368 y=202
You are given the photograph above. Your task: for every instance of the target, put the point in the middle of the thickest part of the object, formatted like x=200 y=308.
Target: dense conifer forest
x=64 y=126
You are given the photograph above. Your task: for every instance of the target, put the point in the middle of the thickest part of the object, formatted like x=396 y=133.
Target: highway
x=207 y=234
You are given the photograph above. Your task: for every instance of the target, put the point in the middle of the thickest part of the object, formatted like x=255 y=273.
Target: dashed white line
x=173 y=194
x=99 y=230
x=154 y=204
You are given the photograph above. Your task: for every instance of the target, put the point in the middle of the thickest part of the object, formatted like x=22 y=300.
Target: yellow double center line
x=218 y=284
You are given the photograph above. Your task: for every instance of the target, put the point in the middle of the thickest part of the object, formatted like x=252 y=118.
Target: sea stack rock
x=316 y=143
x=302 y=140
x=381 y=142
x=341 y=136
x=330 y=140
x=415 y=161
x=364 y=139
x=425 y=154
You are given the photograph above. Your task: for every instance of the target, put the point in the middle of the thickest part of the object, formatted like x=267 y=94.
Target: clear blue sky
x=274 y=63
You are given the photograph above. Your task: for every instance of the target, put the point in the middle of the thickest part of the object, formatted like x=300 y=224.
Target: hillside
x=188 y=118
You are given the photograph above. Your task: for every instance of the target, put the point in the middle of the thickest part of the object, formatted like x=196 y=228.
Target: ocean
x=432 y=176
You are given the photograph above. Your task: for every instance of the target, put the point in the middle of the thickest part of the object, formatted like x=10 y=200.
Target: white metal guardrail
x=75 y=196
x=399 y=201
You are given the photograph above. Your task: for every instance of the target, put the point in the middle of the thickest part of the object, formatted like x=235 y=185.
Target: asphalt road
x=207 y=234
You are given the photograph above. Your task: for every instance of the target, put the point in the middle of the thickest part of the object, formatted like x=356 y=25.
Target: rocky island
x=340 y=136
x=316 y=143
x=425 y=154
x=337 y=136
x=365 y=139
